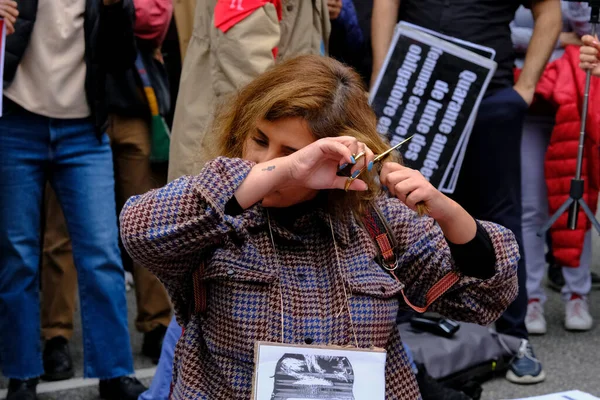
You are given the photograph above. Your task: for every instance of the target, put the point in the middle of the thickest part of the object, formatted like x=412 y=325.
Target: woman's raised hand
x=312 y=167
x=316 y=165
x=410 y=187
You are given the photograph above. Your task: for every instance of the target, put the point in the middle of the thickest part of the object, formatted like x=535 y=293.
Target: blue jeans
x=78 y=164
x=411 y=358
x=161 y=383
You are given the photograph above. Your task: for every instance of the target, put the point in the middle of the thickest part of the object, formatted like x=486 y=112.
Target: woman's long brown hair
x=327 y=94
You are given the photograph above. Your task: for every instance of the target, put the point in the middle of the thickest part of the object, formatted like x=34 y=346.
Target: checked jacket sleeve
x=170 y=230
x=424 y=258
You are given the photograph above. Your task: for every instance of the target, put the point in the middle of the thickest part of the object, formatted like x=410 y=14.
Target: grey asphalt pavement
x=571 y=360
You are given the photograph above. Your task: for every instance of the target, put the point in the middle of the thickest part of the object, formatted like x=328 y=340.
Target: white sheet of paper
x=368 y=368
x=571 y=395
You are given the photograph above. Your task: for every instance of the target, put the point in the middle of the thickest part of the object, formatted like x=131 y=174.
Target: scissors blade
x=388 y=151
x=376 y=159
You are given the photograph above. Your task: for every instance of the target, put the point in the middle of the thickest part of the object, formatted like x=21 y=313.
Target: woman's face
x=279 y=139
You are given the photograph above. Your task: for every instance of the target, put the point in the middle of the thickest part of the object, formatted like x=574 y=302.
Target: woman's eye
x=260 y=142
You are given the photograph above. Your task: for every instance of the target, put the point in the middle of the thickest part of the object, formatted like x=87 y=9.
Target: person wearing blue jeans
x=53 y=130
x=160 y=387
x=78 y=164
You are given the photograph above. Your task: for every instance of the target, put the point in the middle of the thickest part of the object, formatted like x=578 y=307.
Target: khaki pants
x=130 y=141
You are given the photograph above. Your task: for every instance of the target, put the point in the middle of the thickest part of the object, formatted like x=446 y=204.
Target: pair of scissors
x=377 y=159
x=421 y=207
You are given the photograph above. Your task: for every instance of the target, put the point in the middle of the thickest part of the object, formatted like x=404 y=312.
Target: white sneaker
x=534 y=320
x=577 y=315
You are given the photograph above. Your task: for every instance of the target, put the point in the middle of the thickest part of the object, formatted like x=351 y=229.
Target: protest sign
x=485 y=51
x=430 y=88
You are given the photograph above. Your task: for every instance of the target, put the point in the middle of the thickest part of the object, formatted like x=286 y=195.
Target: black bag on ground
x=434 y=390
x=463 y=361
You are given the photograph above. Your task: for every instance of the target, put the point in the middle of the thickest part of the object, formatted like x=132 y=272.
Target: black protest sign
x=429 y=88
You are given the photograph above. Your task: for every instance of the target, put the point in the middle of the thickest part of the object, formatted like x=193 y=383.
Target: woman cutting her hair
x=273 y=249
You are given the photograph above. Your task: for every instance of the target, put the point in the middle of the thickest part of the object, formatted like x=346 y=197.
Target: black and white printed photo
x=313 y=377
x=310 y=372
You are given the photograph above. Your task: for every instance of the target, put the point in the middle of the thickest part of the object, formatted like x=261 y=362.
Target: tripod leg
x=555 y=217
x=589 y=214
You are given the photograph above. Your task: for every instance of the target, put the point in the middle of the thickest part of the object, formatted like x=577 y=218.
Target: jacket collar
x=309 y=217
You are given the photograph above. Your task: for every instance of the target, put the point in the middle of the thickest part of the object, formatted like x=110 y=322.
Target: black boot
x=122 y=388
x=22 y=390
x=153 y=343
x=58 y=365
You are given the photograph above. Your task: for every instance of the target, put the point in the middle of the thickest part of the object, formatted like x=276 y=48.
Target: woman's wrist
x=264 y=178
x=458 y=225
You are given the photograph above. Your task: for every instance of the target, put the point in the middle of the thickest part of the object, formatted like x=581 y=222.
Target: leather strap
x=435 y=292
x=198 y=298
x=379 y=231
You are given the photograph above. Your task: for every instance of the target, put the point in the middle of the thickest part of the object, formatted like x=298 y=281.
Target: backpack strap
x=383 y=236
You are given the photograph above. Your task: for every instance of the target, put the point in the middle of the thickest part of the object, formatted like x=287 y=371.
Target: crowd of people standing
x=107 y=101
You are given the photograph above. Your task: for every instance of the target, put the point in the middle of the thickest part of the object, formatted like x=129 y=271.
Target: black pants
x=489 y=186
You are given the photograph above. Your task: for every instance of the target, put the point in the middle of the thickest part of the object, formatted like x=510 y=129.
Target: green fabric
x=160 y=139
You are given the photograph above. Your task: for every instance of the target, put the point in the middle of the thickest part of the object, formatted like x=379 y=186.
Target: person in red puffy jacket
x=537 y=131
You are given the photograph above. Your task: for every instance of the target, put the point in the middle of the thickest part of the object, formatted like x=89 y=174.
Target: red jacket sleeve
x=152 y=19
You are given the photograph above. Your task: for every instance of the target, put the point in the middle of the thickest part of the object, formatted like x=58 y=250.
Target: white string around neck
x=341 y=272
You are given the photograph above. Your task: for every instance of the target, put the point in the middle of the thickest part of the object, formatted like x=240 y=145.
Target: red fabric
x=230 y=12
x=152 y=19
x=562 y=84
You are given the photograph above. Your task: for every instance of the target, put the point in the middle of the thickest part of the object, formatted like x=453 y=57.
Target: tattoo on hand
x=270 y=168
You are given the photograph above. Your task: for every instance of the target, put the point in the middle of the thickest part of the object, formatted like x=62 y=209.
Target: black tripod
x=577 y=188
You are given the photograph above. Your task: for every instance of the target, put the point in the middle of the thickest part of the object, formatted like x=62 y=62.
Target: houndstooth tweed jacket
x=173 y=229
